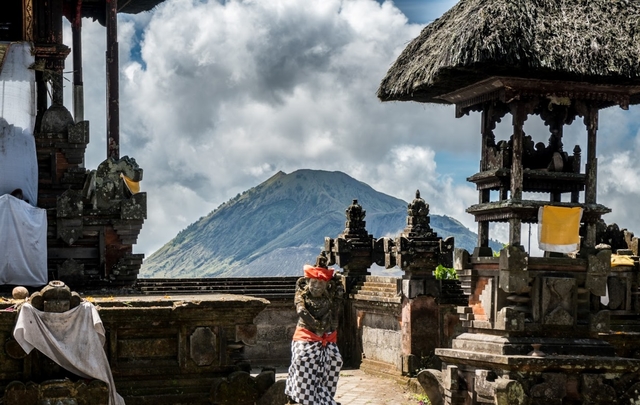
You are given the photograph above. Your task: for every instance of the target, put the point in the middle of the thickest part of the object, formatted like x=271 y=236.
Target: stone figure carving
x=315 y=358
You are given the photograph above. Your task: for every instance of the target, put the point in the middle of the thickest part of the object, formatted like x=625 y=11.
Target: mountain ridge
x=275 y=227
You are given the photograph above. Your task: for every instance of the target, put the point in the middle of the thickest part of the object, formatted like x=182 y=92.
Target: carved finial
x=355 y=212
x=355 y=219
x=322 y=260
x=418 y=206
x=418 y=216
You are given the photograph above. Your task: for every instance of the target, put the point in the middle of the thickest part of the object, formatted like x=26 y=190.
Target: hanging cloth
x=133 y=186
x=23 y=243
x=559 y=228
x=73 y=339
x=18 y=160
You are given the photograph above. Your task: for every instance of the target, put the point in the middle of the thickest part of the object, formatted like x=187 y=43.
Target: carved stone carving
x=203 y=347
x=353 y=248
x=418 y=249
x=71 y=271
x=69 y=213
x=55 y=297
x=107 y=189
x=319 y=304
x=558 y=301
x=63 y=392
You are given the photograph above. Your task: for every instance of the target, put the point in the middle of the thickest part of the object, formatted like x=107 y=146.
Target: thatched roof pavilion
x=594 y=41
x=558 y=59
x=96 y=9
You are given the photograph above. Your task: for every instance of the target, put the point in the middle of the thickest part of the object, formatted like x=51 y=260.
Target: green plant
x=422 y=399
x=445 y=273
x=497 y=254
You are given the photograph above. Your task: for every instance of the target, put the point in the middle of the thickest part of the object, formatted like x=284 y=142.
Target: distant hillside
x=276 y=227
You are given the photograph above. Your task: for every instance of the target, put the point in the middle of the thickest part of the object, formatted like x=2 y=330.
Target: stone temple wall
x=275 y=328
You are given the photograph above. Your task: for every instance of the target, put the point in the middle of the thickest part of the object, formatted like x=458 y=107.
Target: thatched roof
x=595 y=41
x=96 y=8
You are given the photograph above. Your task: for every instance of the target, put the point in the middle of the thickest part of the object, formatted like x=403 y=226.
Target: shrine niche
x=524 y=312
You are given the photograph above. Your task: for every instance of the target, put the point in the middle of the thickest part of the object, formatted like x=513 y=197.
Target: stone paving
x=355 y=387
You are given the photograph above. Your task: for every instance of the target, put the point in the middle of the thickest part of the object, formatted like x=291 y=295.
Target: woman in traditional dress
x=315 y=358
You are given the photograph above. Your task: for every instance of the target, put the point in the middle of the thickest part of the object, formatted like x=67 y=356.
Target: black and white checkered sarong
x=313 y=374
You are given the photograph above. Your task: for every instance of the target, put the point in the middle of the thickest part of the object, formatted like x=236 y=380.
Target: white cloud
x=218 y=96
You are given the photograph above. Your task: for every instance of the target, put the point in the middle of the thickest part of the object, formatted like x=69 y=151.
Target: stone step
x=376 y=293
x=270 y=288
x=387 y=299
x=377 y=289
x=243 y=281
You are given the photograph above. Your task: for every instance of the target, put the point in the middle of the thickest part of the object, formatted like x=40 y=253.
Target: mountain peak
x=276 y=227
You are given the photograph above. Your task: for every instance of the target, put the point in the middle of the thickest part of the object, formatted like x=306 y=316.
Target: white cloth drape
x=18 y=162
x=73 y=339
x=23 y=243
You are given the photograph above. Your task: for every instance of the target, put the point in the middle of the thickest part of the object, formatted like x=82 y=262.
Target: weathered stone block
x=412 y=288
x=135 y=208
x=431 y=382
x=598 y=266
x=450 y=378
x=484 y=383
x=600 y=322
x=617 y=293
x=18 y=393
x=461 y=259
x=509 y=392
x=509 y=319
x=239 y=388
x=79 y=133
x=71 y=272
x=247 y=334
x=274 y=395
x=595 y=391
x=554 y=387
x=513 y=265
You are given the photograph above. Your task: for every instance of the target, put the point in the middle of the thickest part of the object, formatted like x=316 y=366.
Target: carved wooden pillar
x=485 y=195
x=556 y=137
x=519 y=116
x=113 y=83
x=27 y=20
x=590 y=194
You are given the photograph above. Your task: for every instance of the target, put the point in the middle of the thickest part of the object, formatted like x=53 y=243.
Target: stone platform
x=162 y=349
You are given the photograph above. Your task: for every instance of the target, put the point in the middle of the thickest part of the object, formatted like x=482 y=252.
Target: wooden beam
x=113 y=82
x=78 y=85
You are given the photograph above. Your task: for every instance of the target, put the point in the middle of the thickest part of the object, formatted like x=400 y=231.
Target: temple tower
x=92 y=217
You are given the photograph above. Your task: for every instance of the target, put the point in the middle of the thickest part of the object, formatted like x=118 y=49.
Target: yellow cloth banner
x=133 y=186
x=621 y=260
x=558 y=228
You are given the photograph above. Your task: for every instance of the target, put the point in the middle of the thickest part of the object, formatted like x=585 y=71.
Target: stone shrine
x=423 y=306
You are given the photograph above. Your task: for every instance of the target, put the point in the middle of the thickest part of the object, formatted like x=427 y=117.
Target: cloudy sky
x=217 y=96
